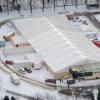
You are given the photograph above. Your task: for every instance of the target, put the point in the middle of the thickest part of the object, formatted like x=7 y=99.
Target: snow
x=40 y=75
x=34 y=57
x=18 y=39
x=86 y=83
x=23 y=88
x=95 y=92
x=97 y=16
x=6 y=30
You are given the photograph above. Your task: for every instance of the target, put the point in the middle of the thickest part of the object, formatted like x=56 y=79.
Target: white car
x=14 y=79
x=22 y=71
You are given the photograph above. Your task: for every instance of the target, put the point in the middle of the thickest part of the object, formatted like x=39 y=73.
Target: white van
x=15 y=79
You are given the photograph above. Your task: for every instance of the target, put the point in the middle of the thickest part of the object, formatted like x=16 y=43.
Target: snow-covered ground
x=24 y=88
x=28 y=89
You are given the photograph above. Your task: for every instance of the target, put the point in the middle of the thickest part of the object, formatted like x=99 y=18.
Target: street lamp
x=31 y=6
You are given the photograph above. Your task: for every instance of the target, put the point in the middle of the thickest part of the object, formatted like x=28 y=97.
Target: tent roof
x=61 y=44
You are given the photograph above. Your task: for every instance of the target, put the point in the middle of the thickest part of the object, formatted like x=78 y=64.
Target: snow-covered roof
x=6 y=29
x=18 y=39
x=15 y=57
x=61 y=44
x=20 y=61
x=34 y=57
x=18 y=51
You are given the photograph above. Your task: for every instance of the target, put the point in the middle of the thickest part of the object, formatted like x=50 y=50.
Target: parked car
x=92 y=5
x=14 y=79
x=29 y=70
x=22 y=71
x=50 y=80
x=70 y=81
x=97 y=43
x=9 y=62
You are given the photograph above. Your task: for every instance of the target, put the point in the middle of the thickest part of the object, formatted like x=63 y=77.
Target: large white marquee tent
x=61 y=44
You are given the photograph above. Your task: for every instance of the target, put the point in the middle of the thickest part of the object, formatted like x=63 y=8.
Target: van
x=14 y=79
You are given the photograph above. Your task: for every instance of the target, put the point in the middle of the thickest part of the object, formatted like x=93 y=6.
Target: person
x=18 y=8
x=16 y=45
x=95 y=93
x=48 y=1
x=61 y=80
x=6 y=98
x=13 y=98
x=0 y=8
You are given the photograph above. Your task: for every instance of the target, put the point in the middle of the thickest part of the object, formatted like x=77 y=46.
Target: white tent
x=61 y=44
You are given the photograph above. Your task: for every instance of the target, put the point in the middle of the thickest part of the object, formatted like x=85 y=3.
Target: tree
x=7 y=6
x=98 y=98
x=18 y=8
x=43 y=5
x=31 y=6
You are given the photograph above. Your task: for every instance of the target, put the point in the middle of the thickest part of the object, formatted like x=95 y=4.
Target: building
x=62 y=45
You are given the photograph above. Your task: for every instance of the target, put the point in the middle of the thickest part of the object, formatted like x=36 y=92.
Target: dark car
x=9 y=62
x=50 y=80
x=92 y=6
x=29 y=70
x=70 y=81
